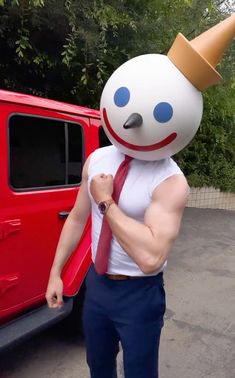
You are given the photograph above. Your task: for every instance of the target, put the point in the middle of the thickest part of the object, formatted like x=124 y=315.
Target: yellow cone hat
x=198 y=58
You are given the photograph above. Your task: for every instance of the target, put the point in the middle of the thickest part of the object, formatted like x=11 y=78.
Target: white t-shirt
x=142 y=178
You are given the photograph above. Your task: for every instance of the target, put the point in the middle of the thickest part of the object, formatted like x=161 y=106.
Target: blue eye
x=122 y=97
x=163 y=112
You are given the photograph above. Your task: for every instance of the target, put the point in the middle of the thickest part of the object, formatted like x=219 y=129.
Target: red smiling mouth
x=151 y=147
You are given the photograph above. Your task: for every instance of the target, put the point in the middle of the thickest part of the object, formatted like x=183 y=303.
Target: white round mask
x=149 y=110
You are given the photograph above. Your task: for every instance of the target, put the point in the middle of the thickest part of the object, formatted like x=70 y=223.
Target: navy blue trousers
x=129 y=311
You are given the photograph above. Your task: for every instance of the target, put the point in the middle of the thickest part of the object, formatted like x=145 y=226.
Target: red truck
x=43 y=145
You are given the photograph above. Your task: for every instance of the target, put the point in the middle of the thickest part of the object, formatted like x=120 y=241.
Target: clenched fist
x=101 y=187
x=54 y=293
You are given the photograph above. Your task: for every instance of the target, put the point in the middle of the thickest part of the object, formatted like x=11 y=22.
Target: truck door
x=41 y=164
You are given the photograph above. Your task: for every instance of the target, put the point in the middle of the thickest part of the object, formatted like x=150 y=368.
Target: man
x=151 y=108
x=129 y=310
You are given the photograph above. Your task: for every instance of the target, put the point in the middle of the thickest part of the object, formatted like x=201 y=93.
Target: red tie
x=103 y=248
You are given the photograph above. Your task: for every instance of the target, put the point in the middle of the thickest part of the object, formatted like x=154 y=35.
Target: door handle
x=9 y=227
x=8 y=281
x=63 y=214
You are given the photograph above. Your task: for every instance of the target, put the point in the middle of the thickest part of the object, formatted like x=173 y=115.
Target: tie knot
x=128 y=158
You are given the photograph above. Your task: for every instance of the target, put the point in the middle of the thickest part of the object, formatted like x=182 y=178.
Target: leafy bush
x=209 y=160
x=66 y=50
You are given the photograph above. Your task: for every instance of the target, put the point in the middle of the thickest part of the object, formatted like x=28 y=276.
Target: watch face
x=102 y=207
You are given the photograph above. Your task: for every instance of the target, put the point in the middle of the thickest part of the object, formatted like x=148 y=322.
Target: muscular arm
x=69 y=237
x=148 y=243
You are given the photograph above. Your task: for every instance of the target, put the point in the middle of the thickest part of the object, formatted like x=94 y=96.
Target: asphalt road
x=198 y=339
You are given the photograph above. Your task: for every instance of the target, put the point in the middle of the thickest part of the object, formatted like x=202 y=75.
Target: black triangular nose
x=135 y=120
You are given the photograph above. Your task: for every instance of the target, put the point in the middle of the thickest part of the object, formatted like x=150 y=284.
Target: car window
x=103 y=139
x=44 y=152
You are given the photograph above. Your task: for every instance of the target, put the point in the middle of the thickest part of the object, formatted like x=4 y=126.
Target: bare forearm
x=69 y=238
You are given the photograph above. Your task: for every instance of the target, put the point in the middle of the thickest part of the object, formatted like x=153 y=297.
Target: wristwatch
x=103 y=206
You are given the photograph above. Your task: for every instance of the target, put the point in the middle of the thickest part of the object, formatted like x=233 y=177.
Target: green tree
x=66 y=50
